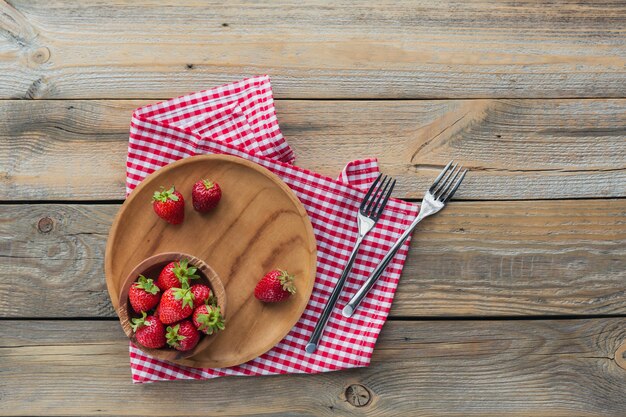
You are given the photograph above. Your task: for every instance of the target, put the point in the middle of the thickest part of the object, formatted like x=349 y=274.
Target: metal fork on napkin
x=435 y=199
x=369 y=212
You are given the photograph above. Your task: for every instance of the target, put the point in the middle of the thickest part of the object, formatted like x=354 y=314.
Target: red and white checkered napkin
x=239 y=119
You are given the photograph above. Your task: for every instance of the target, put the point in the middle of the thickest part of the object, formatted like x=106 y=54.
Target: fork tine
x=379 y=198
x=449 y=182
x=381 y=207
x=432 y=187
x=369 y=192
x=456 y=186
x=375 y=194
x=445 y=180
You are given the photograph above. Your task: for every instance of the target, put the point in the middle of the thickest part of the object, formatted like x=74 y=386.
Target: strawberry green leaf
x=147 y=285
x=185 y=295
x=208 y=184
x=184 y=272
x=286 y=281
x=163 y=195
x=172 y=336
x=212 y=321
x=137 y=322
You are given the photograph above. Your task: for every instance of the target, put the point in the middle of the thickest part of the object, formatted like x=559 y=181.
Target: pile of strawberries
x=187 y=310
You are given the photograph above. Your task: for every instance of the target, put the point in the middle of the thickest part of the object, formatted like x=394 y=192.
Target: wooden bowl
x=150 y=268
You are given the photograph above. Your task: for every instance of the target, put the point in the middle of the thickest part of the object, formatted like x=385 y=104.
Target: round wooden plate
x=258 y=225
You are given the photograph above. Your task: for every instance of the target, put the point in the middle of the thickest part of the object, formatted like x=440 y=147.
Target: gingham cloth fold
x=239 y=119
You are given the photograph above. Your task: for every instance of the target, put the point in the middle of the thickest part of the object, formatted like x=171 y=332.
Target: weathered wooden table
x=513 y=300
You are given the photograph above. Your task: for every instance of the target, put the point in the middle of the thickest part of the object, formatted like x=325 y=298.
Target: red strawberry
x=175 y=273
x=169 y=205
x=149 y=331
x=143 y=295
x=276 y=285
x=183 y=336
x=201 y=294
x=176 y=304
x=208 y=319
x=205 y=195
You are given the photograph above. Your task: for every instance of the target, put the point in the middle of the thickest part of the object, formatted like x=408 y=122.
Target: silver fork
x=435 y=199
x=370 y=210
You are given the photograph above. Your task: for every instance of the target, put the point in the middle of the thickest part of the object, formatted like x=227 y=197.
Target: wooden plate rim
x=312 y=245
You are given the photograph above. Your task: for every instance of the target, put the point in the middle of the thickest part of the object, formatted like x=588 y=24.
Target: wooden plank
x=516 y=149
x=447 y=368
x=382 y=49
x=472 y=259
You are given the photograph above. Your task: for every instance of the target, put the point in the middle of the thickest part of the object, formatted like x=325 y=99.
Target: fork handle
x=356 y=299
x=330 y=305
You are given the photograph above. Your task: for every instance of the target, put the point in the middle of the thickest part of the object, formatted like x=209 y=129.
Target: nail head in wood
x=45 y=225
x=358 y=395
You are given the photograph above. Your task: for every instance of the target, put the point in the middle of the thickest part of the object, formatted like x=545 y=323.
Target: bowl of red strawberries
x=172 y=305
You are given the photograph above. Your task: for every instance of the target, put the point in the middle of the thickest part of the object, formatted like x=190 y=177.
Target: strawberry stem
x=147 y=285
x=172 y=336
x=212 y=321
x=208 y=184
x=137 y=322
x=164 y=195
x=184 y=272
x=286 y=281
x=184 y=294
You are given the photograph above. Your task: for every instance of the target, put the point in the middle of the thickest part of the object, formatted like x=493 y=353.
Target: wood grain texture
x=516 y=149
x=420 y=49
x=259 y=225
x=521 y=135
x=462 y=368
x=473 y=259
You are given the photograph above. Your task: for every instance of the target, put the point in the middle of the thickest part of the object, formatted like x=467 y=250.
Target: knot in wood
x=358 y=395
x=45 y=224
x=620 y=356
x=41 y=55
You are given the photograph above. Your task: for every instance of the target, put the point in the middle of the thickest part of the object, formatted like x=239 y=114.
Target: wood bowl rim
x=124 y=311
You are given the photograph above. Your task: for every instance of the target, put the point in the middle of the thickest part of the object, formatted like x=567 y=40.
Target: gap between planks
x=410 y=200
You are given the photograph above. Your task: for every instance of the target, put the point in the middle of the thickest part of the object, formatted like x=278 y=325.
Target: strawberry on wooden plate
x=149 y=331
x=277 y=285
x=208 y=319
x=176 y=304
x=201 y=294
x=183 y=336
x=143 y=295
x=205 y=195
x=169 y=205
x=175 y=274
